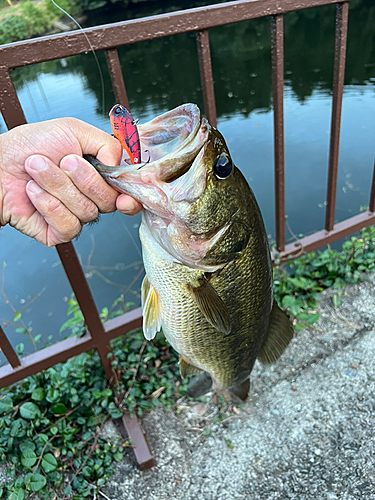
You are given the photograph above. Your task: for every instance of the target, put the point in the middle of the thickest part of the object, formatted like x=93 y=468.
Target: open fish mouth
x=169 y=144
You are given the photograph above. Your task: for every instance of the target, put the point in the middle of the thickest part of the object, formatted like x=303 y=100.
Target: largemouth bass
x=208 y=282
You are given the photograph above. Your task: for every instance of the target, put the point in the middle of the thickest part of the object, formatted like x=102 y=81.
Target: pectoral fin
x=211 y=305
x=151 y=310
x=280 y=333
x=187 y=369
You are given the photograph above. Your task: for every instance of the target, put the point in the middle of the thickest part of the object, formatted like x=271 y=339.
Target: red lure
x=125 y=130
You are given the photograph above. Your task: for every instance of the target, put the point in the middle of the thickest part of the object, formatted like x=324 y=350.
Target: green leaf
x=37 y=482
x=59 y=409
x=17 y=316
x=53 y=395
x=28 y=458
x=312 y=318
x=68 y=491
x=335 y=300
x=43 y=438
x=26 y=445
x=6 y=404
x=49 y=463
x=38 y=394
x=29 y=411
x=17 y=494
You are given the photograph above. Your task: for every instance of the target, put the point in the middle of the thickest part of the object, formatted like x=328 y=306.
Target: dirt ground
x=306 y=431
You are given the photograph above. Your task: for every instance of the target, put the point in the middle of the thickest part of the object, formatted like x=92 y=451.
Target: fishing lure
x=125 y=130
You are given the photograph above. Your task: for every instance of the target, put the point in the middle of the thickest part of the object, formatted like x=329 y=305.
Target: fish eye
x=117 y=110
x=223 y=166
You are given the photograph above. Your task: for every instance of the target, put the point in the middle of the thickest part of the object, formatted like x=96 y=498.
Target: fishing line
x=131 y=237
x=91 y=47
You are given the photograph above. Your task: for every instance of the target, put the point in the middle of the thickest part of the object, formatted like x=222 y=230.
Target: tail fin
x=280 y=333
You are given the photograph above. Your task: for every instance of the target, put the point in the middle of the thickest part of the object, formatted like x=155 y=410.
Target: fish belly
x=227 y=358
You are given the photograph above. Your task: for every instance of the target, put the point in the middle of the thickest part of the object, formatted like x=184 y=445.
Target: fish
x=208 y=282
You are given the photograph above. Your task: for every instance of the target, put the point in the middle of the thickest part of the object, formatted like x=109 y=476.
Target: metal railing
x=109 y=37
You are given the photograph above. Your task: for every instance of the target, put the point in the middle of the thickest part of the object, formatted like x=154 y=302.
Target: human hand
x=47 y=190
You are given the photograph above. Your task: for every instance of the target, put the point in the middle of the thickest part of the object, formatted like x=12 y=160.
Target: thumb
x=96 y=142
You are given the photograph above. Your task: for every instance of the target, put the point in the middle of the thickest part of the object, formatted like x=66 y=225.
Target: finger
x=53 y=223
x=128 y=205
x=90 y=182
x=95 y=142
x=51 y=179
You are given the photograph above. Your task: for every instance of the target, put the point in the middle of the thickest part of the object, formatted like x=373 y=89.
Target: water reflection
x=162 y=74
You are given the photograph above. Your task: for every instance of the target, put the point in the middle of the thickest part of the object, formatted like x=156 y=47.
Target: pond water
x=162 y=74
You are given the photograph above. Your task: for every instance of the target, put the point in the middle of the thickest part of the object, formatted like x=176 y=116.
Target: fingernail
x=33 y=187
x=69 y=163
x=37 y=163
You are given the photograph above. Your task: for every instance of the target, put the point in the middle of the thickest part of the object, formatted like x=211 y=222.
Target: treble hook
x=148 y=161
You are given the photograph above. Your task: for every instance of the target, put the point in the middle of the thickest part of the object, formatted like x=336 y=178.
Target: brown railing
x=109 y=37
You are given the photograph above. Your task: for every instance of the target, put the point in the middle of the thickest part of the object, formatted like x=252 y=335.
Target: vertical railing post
x=87 y=305
x=117 y=78
x=8 y=350
x=207 y=82
x=372 y=194
x=10 y=106
x=277 y=55
x=342 y=10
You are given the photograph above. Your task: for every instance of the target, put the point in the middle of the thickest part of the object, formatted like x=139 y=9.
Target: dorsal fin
x=210 y=304
x=280 y=333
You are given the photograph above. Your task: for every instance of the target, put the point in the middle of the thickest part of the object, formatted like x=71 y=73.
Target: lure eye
x=117 y=110
x=223 y=167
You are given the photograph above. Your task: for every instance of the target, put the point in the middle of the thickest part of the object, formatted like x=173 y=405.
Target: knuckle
x=90 y=212
x=54 y=206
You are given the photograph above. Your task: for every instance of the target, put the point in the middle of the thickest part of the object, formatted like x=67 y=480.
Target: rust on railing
x=277 y=55
x=372 y=194
x=117 y=79
x=337 y=94
x=109 y=38
x=207 y=82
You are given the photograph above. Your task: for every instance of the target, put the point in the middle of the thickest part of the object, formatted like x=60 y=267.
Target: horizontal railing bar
x=65 y=349
x=124 y=323
x=321 y=238
x=52 y=47
x=45 y=358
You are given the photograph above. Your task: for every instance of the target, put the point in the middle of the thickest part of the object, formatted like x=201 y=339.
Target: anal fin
x=280 y=333
x=187 y=369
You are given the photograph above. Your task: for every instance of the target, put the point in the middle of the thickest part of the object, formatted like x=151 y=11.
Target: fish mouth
x=173 y=142
x=169 y=145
